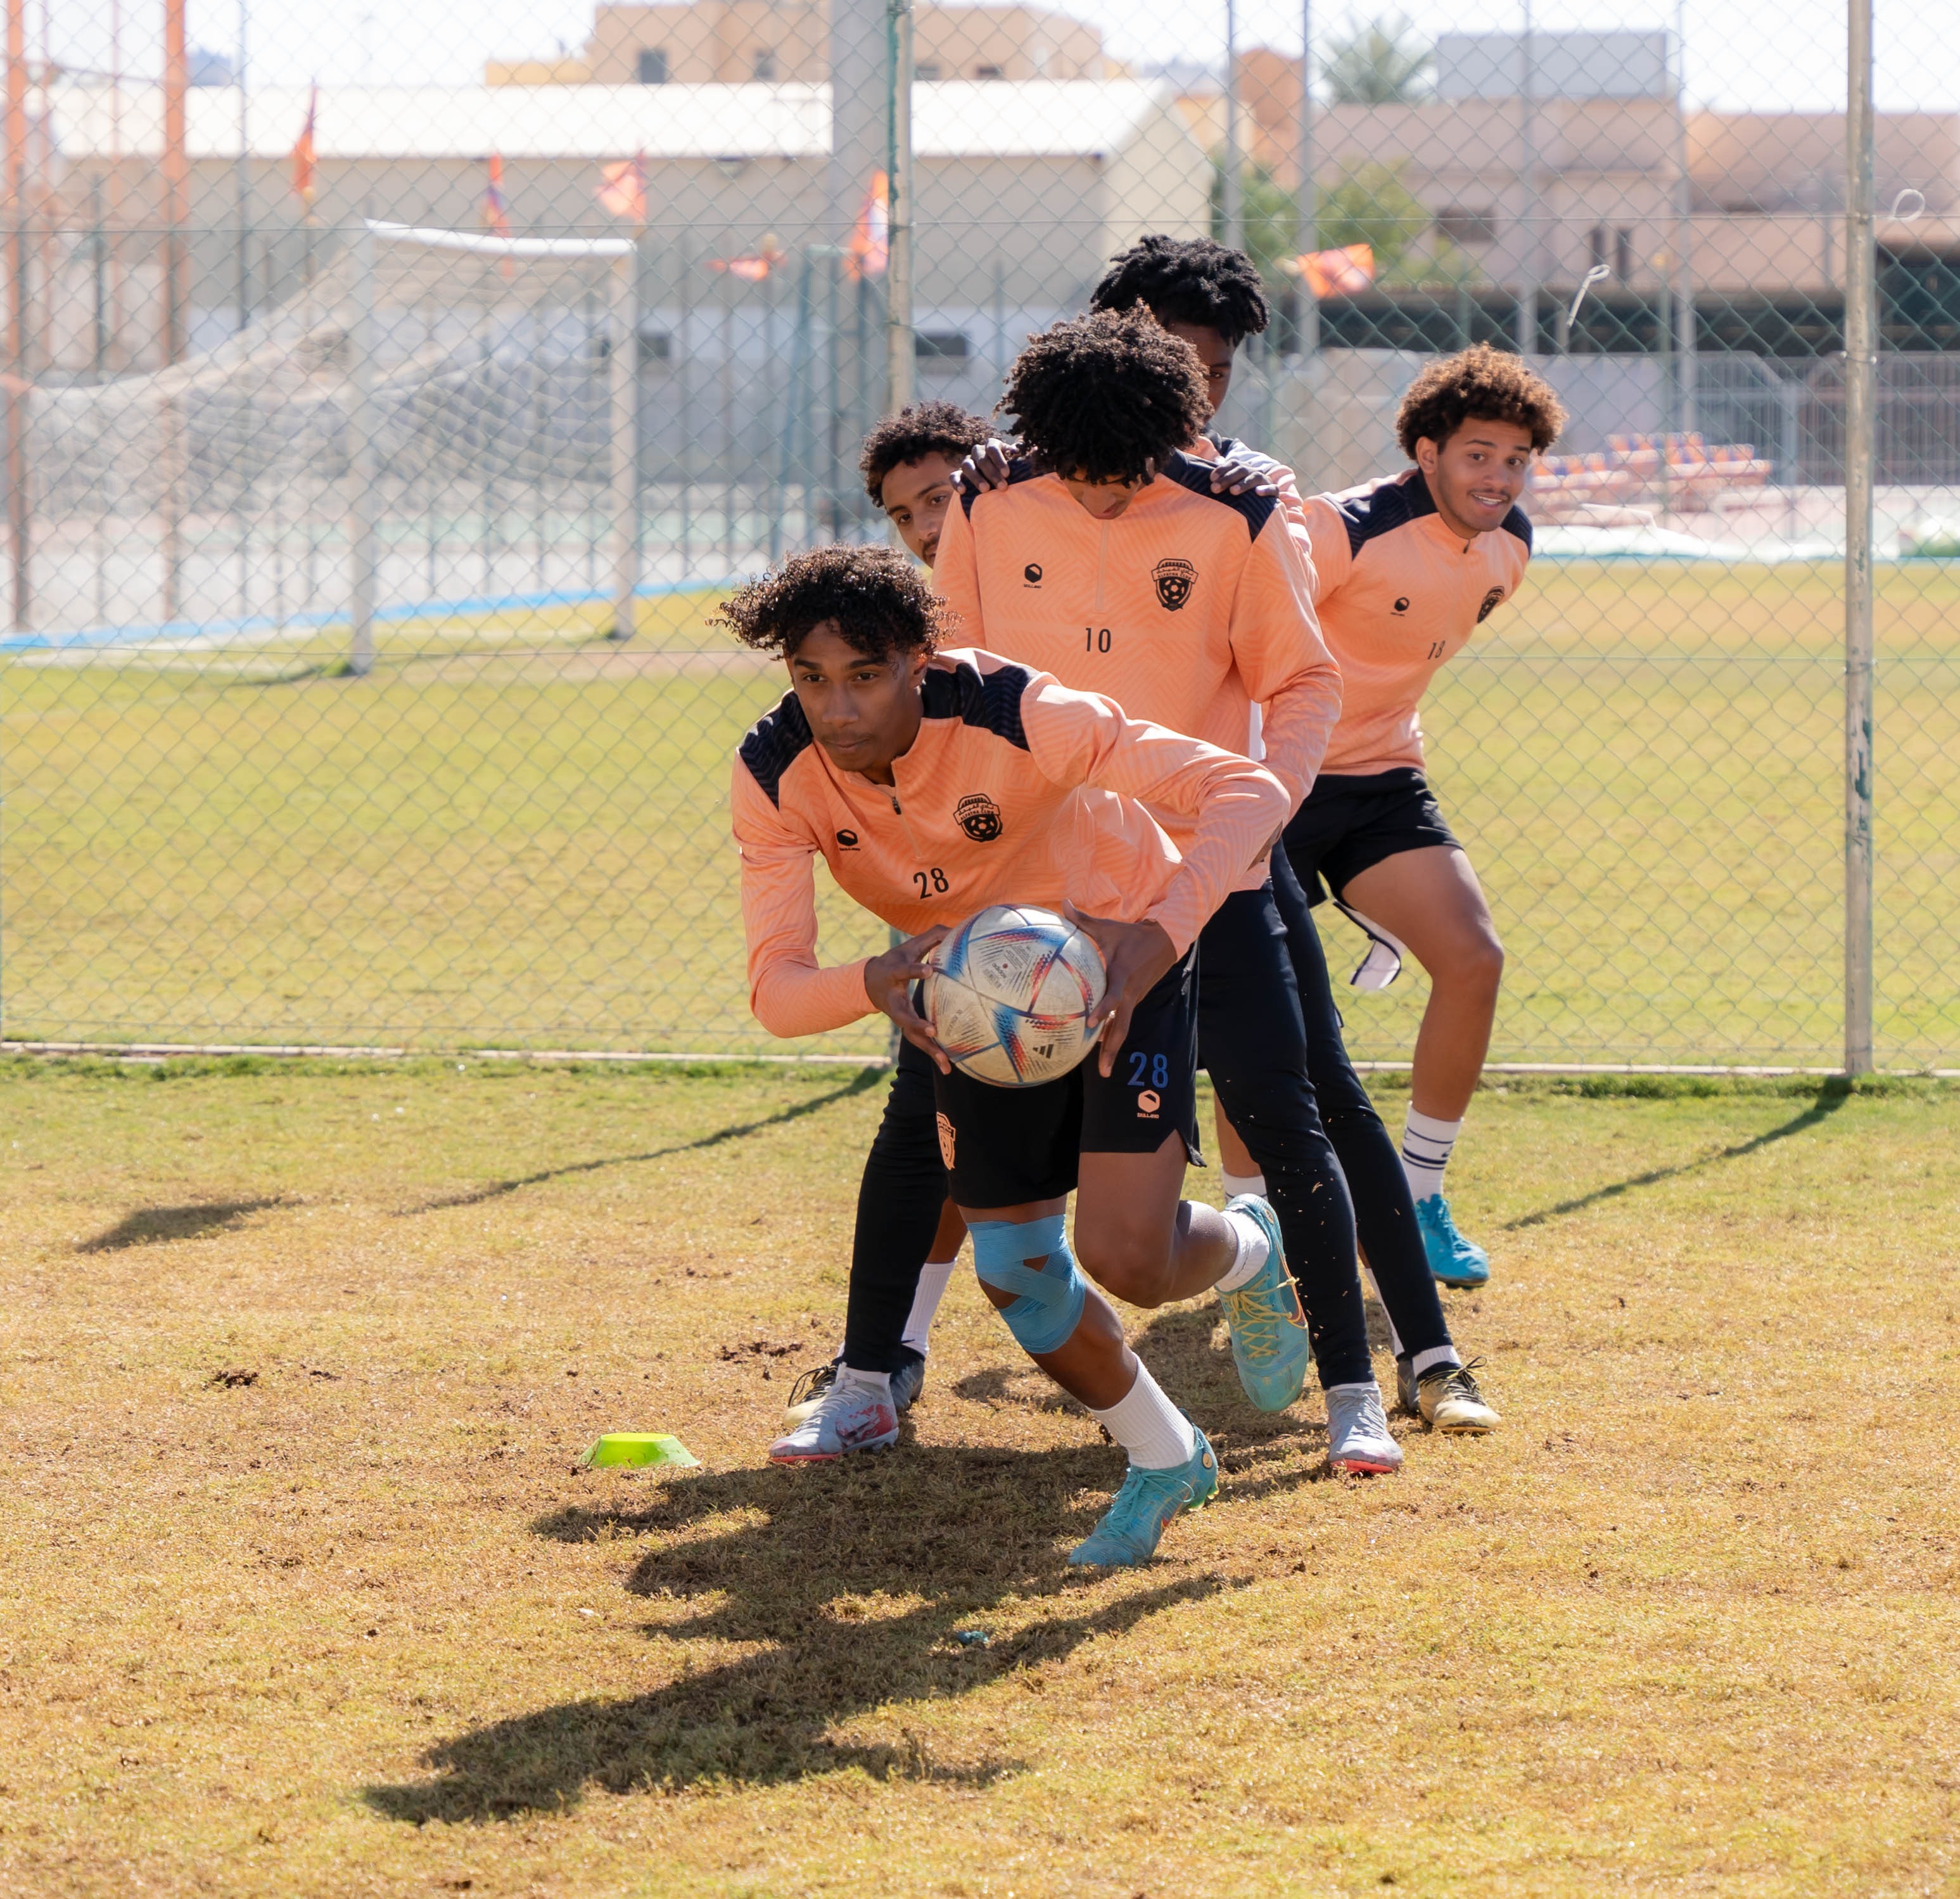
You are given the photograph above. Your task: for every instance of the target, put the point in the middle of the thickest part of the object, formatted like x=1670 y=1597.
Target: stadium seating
x=1678 y=471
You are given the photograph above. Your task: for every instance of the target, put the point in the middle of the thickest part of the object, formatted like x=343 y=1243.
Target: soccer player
x=1212 y=299
x=908 y=463
x=1108 y=560
x=879 y=760
x=1408 y=566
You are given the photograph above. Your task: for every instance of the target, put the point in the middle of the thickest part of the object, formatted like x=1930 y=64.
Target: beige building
x=1759 y=212
x=767 y=42
x=1025 y=190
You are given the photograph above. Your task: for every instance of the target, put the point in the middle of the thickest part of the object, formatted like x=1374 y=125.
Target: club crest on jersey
x=979 y=816
x=1031 y=573
x=847 y=840
x=1402 y=606
x=1490 y=604
x=1175 y=580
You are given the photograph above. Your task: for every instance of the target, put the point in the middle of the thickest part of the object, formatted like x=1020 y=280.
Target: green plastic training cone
x=637 y=1447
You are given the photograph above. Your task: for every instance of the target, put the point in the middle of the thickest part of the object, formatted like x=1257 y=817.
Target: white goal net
x=441 y=424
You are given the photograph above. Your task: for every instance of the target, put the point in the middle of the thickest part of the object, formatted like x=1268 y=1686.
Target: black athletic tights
x=1384 y=1208
x=1268 y=1085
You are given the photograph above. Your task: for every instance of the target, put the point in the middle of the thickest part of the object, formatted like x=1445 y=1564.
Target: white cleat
x=850 y=1418
x=1357 y=1433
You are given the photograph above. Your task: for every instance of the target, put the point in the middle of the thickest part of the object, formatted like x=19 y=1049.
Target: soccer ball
x=1010 y=994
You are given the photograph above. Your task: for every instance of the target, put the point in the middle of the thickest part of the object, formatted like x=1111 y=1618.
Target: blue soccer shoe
x=1269 y=1342
x=1453 y=1260
x=1134 y=1523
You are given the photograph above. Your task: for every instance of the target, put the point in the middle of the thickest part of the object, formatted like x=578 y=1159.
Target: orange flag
x=305 y=162
x=496 y=213
x=754 y=269
x=622 y=188
x=870 y=247
x=1344 y=273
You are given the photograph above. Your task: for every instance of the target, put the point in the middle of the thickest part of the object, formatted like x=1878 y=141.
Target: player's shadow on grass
x=494 y=1190
x=149 y=1225
x=848 y=1584
x=1829 y=1100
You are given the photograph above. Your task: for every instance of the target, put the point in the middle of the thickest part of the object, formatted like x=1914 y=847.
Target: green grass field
x=301 y=1592
x=512 y=836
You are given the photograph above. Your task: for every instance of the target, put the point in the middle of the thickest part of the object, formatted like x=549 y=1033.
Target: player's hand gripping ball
x=1010 y=994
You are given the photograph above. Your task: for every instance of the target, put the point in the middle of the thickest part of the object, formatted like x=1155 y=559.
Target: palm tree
x=1380 y=64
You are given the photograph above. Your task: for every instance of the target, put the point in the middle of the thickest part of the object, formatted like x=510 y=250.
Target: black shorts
x=1005 y=1146
x=1347 y=825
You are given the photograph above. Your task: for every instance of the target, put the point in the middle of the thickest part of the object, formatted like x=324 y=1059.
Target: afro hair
x=923 y=429
x=879 y=601
x=1478 y=384
x=1107 y=397
x=1189 y=280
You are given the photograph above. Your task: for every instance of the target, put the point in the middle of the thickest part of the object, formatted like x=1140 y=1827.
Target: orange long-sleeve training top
x=1016 y=790
x=1399 y=595
x=1188 y=609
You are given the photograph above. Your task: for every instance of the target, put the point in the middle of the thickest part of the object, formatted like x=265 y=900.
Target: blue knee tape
x=1048 y=1299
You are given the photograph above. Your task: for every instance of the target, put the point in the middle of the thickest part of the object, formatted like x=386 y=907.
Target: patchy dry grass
x=300 y=1591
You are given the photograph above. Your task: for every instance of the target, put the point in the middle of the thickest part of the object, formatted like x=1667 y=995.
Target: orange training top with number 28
x=1016 y=790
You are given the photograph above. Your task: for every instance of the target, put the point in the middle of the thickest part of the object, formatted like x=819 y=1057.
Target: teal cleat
x=1269 y=1342
x=1141 y=1511
x=1453 y=1260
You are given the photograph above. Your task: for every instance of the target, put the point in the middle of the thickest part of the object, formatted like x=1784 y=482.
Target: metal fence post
x=1231 y=195
x=1307 y=215
x=1527 y=311
x=1860 y=434
x=623 y=410
x=360 y=457
x=900 y=348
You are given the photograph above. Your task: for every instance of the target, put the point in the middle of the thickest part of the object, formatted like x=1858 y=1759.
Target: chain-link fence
x=390 y=398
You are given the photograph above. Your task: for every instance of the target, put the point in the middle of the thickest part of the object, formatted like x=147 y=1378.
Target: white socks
x=1436 y=1355
x=934 y=1277
x=1236 y=1184
x=1157 y=1435
x=1253 y=1248
x=871 y=1383
x=1426 y=1145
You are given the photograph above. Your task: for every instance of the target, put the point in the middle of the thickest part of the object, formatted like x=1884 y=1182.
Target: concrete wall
x=1012 y=232
x=1333 y=420
x=722 y=40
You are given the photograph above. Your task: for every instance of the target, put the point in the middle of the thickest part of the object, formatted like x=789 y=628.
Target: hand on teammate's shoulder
x=985 y=466
x=1232 y=476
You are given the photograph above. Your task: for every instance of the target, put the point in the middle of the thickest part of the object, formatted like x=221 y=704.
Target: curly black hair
x=1478 y=384
x=879 y=603
x=923 y=429
x=1187 y=280
x=1103 y=396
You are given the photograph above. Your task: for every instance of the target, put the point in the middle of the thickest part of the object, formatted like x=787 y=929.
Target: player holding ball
x=877 y=759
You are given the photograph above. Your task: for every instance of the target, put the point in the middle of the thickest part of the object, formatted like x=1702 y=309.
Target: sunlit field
x=301 y=1591
x=515 y=834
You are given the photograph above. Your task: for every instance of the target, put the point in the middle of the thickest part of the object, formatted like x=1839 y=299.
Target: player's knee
x=1475 y=967
x=1129 y=1267
x=1486 y=961
x=1045 y=1298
